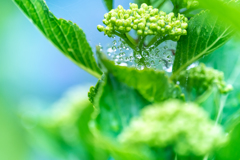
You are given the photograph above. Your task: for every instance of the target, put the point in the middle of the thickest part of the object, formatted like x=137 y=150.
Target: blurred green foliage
x=73 y=128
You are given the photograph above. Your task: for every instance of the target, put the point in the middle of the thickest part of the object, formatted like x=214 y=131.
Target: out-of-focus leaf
x=155 y=86
x=139 y=2
x=226 y=59
x=65 y=35
x=206 y=33
x=228 y=12
x=108 y=4
x=231 y=150
x=64 y=132
x=119 y=152
x=13 y=143
x=118 y=103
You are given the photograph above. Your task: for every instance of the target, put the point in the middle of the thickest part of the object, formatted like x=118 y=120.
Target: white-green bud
x=144 y=6
x=184 y=25
x=113 y=19
x=141 y=26
x=152 y=19
x=120 y=7
x=139 y=32
x=100 y=28
x=128 y=29
x=153 y=26
x=161 y=23
x=168 y=27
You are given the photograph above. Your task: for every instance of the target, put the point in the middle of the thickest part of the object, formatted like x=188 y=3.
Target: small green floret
x=145 y=21
x=202 y=78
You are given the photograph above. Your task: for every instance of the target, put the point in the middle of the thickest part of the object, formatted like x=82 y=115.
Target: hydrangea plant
x=145 y=112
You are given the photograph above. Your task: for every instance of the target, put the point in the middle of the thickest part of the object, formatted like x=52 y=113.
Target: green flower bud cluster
x=202 y=78
x=145 y=20
x=185 y=127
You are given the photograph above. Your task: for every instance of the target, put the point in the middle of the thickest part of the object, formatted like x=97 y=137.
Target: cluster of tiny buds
x=145 y=20
x=184 y=126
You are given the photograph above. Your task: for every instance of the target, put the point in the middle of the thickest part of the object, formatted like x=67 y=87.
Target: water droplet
x=138 y=56
x=114 y=48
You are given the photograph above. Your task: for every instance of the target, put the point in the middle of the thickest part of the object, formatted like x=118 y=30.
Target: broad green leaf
x=231 y=150
x=205 y=34
x=118 y=103
x=155 y=86
x=228 y=12
x=108 y=4
x=65 y=35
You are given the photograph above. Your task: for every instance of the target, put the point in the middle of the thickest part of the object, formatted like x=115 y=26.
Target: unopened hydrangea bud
x=133 y=6
x=184 y=25
x=150 y=21
x=141 y=25
x=185 y=127
x=100 y=28
x=139 y=32
x=144 y=6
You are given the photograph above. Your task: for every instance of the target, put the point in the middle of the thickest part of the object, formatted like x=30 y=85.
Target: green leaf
x=139 y=2
x=228 y=12
x=108 y=4
x=118 y=103
x=155 y=86
x=231 y=150
x=65 y=35
x=206 y=33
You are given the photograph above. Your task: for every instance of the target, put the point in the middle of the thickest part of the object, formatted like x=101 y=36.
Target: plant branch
x=161 y=4
x=125 y=38
x=204 y=96
x=157 y=42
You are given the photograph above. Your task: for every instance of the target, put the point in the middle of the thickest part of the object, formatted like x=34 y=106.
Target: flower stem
x=125 y=38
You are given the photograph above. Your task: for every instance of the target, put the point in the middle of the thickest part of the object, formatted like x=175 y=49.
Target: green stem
x=125 y=38
x=141 y=49
x=157 y=42
x=161 y=4
x=141 y=43
x=204 y=96
x=188 y=10
x=176 y=9
x=132 y=40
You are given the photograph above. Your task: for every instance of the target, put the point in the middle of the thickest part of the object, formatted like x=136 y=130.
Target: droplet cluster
x=145 y=21
x=185 y=127
x=159 y=58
